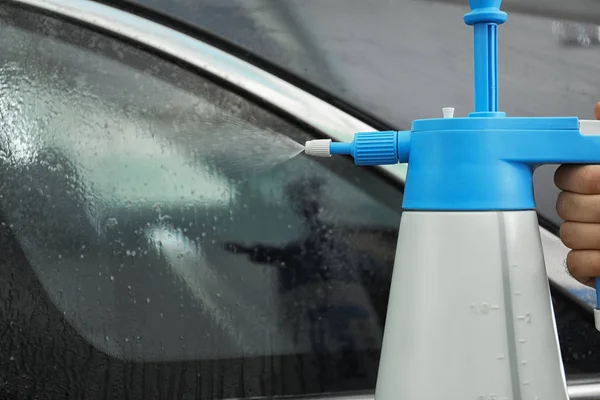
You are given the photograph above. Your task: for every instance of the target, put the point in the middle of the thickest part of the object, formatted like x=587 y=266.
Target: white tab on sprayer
x=589 y=127
x=448 y=112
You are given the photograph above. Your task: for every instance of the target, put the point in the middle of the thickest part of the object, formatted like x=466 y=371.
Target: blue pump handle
x=475 y=164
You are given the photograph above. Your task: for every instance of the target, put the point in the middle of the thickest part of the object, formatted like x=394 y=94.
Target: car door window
x=152 y=244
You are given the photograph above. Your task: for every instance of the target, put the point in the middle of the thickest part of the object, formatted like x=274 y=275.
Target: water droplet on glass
x=112 y=278
x=111 y=222
x=147 y=300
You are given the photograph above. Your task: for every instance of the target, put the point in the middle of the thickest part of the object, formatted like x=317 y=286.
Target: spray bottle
x=470 y=314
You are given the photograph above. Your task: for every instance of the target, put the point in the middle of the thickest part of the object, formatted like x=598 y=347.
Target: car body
x=148 y=254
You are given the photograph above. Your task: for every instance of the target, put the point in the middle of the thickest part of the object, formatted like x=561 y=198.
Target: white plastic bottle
x=469 y=313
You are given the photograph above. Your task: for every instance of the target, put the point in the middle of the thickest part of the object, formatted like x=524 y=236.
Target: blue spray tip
x=367 y=148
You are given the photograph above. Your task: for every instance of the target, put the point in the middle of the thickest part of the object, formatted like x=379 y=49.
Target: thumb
x=597 y=111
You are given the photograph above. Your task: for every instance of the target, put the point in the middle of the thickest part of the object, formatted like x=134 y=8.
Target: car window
x=160 y=235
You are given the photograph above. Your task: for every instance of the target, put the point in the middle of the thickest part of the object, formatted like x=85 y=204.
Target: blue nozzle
x=367 y=148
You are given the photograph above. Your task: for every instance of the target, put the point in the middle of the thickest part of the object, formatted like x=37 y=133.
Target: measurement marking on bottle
x=526 y=383
x=491 y=397
x=526 y=318
x=522 y=340
x=523 y=362
x=517 y=293
x=494 y=307
x=501 y=357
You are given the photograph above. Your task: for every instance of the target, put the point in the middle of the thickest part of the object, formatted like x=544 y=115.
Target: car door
x=162 y=238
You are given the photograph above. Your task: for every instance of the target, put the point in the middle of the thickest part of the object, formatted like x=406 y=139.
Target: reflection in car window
x=140 y=258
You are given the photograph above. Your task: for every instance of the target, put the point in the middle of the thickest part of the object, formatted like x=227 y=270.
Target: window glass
x=152 y=242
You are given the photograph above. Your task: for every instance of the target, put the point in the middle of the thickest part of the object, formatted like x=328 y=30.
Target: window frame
x=316 y=114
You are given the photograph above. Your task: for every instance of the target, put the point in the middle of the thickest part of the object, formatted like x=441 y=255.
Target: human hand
x=579 y=205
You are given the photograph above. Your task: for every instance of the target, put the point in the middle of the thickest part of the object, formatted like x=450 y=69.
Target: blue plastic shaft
x=340 y=148
x=485 y=16
x=486 y=67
